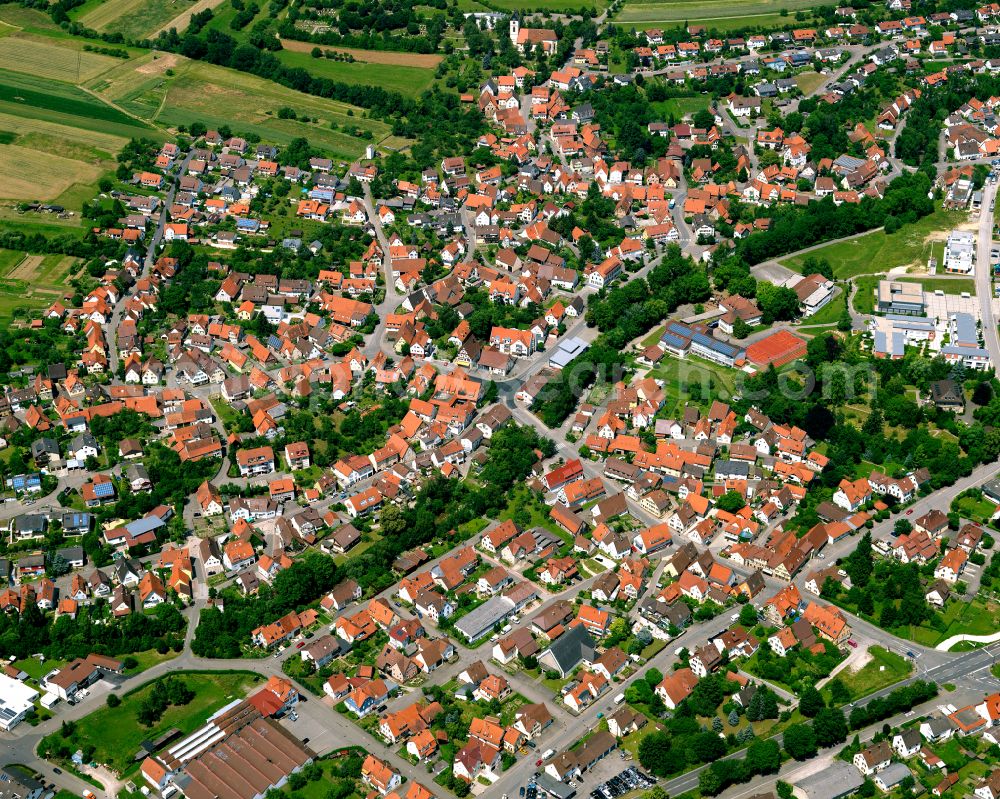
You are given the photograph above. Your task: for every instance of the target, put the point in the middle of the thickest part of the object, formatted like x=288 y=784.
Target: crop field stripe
x=108 y=13
x=712 y=9
x=181 y=21
x=44 y=59
x=31 y=175
x=25 y=126
x=406 y=80
x=419 y=60
x=54 y=97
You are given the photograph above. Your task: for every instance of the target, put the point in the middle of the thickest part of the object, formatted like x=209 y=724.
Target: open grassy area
x=883 y=670
x=197 y=91
x=713 y=13
x=679 y=107
x=150 y=658
x=969 y=618
x=809 y=81
x=407 y=80
x=27 y=19
x=52 y=137
x=36 y=668
x=693 y=380
x=525 y=508
x=978 y=510
x=959 y=617
x=116 y=733
x=878 y=251
x=182 y=19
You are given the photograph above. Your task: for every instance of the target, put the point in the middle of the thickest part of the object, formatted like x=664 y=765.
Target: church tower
x=515 y=26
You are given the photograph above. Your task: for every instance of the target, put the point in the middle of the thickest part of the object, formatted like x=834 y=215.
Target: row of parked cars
x=629 y=780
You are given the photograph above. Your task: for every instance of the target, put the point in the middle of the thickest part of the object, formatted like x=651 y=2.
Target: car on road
x=300 y=644
x=57 y=770
x=911 y=655
x=909 y=512
x=538 y=762
x=852 y=643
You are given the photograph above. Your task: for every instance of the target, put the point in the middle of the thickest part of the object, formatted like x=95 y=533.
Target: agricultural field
x=29 y=20
x=554 y=6
x=181 y=21
x=33 y=175
x=718 y=14
x=34 y=97
x=421 y=60
x=134 y=19
x=196 y=91
x=33 y=281
x=409 y=81
x=49 y=58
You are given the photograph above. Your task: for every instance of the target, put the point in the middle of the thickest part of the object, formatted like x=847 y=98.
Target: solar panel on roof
x=103 y=490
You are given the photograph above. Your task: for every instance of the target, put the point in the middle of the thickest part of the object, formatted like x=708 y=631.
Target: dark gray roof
x=571 y=647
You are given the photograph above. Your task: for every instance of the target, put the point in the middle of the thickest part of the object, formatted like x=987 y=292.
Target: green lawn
x=526 y=507
x=829 y=314
x=681 y=106
x=36 y=668
x=150 y=658
x=878 y=252
x=115 y=733
x=407 y=80
x=884 y=669
x=630 y=743
x=976 y=617
x=978 y=510
x=712 y=380
x=809 y=81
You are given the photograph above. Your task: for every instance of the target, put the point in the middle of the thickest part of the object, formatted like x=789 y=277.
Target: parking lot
x=940 y=305
x=622 y=783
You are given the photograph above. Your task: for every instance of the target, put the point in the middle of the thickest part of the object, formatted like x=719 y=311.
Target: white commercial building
x=16 y=701
x=960 y=252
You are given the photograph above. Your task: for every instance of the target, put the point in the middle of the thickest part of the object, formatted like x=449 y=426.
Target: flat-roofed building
x=900 y=297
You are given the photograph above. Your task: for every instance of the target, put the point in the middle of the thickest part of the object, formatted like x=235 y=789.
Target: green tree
x=731 y=502
x=811 y=702
x=830 y=727
x=748 y=615
x=741 y=329
x=800 y=741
